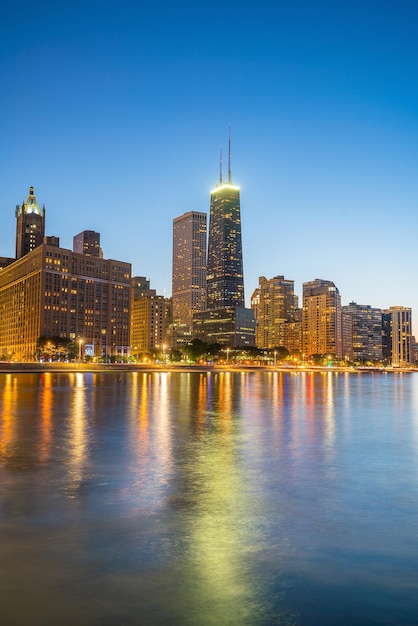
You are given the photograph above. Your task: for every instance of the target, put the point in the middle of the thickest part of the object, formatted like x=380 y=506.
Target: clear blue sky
x=114 y=111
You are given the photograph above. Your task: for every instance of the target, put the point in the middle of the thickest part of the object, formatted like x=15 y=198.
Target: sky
x=115 y=112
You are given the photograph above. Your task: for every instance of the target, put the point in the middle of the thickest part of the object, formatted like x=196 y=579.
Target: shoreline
x=22 y=368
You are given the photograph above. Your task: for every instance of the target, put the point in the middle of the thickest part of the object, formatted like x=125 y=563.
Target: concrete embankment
x=9 y=367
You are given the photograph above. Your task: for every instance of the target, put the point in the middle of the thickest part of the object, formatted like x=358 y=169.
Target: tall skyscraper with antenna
x=225 y=275
x=225 y=321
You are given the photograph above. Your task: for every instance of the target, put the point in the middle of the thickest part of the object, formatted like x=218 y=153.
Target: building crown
x=31 y=204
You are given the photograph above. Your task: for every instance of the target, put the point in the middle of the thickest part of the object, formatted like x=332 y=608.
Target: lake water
x=219 y=498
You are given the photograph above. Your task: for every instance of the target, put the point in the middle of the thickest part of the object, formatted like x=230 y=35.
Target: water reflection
x=8 y=421
x=46 y=406
x=219 y=497
x=77 y=437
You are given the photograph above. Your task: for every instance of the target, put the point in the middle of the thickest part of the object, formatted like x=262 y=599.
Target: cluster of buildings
x=49 y=292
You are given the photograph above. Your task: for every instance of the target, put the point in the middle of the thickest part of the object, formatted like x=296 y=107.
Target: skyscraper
x=366 y=331
x=276 y=307
x=225 y=275
x=225 y=320
x=189 y=266
x=401 y=340
x=30 y=225
x=87 y=242
x=321 y=319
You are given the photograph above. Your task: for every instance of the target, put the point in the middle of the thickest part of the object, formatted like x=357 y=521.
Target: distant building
x=397 y=334
x=366 y=331
x=88 y=242
x=189 y=266
x=386 y=337
x=141 y=287
x=255 y=302
x=293 y=332
x=347 y=334
x=321 y=319
x=5 y=261
x=30 y=225
x=227 y=326
x=148 y=317
x=178 y=336
x=274 y=308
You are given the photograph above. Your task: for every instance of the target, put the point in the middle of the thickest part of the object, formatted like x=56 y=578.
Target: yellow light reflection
x=219 y=544
x=77 y=434
x=46 y=417
x=8 y=404
x=329 y=416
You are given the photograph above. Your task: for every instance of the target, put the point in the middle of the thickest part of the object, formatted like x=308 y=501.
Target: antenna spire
x=220 y=166
x=229 y=153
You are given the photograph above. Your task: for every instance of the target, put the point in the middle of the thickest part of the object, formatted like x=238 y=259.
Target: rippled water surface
x=208 y=499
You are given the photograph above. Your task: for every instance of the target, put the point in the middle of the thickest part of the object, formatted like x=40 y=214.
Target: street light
x=227 y=356
x=275 y=355
x=80 y=343
x=164 y=347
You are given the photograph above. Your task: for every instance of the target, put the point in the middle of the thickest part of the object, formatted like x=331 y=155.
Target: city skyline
x=115 y=115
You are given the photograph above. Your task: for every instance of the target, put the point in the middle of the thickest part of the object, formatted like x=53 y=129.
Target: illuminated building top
x=30 y=205
x=30 y=225
x=224 y=187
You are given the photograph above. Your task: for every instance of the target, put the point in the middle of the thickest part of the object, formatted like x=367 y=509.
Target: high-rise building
x=366 y=331
x=54 y=292
x=225 y=320
x=189 y=266
x=225 y=274
x=231 y=326
x=141 y=287
x=321 y=319
x=386 y=337
x=347 y=333
x=148 y=317
x=87 y=242
x=30 y=225
x=401 y=339
x=276 y=307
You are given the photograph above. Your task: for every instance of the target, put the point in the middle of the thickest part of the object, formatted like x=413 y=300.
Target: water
x=208 y=499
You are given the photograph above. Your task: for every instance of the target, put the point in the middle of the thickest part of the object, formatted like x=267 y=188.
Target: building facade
x=88 y=242
x=148 y=318
x=225 y=275
x=189 y=266
x=147 y=324
x=321 y=319
x=366 y=331
x=347 y=332
x=30 y=225
x=275 y=308
x=399 y=324
x=54 y=292
x=227 y=326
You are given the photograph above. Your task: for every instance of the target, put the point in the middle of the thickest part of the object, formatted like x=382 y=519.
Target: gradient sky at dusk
x=115 y=111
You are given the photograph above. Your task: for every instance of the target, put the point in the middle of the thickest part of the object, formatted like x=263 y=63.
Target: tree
x=55 y=348
x=197 y=348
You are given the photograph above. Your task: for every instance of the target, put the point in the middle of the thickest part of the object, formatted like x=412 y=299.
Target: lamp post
x=227 y=356
x=80 y=343
x=275 y=358
x=164 y=358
